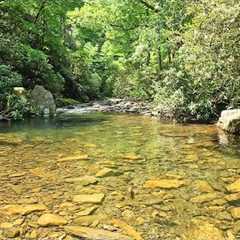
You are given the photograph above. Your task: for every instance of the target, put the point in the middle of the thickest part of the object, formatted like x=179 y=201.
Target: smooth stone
x=235 y=212
x=236 y=226
x=74 y=158
x=202 y=230
x=51 y=220
x=89 y=198
x=33 y=235
x=11 y=232
x=128 y=215
x=132 y=157
x=107 y=172
x=23 y=209
x=233 y=197
x=129 y=230
x=18 y=222
x=87 y=211
x=203 y=186
x=17 y=175
x=234 y=187
x=90 y=145
x=89 y=220
x=229 y=235
x=164 y=183
x=207 y=197
x=6 y=225
x=224 y=216
x=95 y=234
x=84 y=181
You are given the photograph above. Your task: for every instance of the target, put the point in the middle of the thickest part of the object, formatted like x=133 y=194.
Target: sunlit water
x=137 y=149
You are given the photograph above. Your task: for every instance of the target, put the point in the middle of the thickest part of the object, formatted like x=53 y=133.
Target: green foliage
x=182 y=55
x=8 y=79
x=208 y=70
x=17 y=106
x=63 y=102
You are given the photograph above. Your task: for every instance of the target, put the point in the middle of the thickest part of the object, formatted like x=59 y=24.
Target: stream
x=117 y=177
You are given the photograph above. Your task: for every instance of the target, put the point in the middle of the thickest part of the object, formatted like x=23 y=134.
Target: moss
x=62 y=102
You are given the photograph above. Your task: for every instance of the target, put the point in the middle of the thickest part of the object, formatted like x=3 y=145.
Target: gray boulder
x=43 y=101
x=230 y=121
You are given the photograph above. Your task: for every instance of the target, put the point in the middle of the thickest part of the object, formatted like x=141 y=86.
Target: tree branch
x=149 y=6
x=40 y=10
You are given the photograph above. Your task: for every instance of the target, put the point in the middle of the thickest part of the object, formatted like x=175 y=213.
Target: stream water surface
x=117 y=177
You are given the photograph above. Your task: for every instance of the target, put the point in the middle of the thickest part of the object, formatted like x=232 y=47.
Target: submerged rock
x=132 y=157
x=95 y=234
x=11 y=232
x=204 y=198
x=234 y=187
x=89 y=198
x=87 y=211
x=89 y=220
x=202 y=230
x=230 y=121
x=6 y=225
x=107 y=172
x=51 y=220
x=203 y=186
x=22 y=209
x=129 y=230
x=84 y=181
x=164 y=183
x=235 y=212
x=74 y=158
x=233 y=197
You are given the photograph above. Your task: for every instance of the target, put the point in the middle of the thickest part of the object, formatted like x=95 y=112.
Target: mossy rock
x=43 y=101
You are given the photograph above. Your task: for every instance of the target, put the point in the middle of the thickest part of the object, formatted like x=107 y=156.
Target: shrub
x=17 y=106
x=8 y=79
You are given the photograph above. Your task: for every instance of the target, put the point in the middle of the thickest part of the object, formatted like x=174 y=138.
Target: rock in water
x=164 y=183
x=201 y=230
x=22 y=209
x=83 y=181
x=87 y=211
x=51 y=220
x=234 y=187
x=107 y=172
x=43 y=101
x=89 y=198
x=203 y=186
x=95 y=234
x=127 y=229
x=203 y=198
x=230 y=121
x=235 y=212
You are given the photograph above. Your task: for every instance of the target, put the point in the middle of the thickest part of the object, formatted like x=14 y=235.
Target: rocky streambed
x=107 y=106
x=118 y=177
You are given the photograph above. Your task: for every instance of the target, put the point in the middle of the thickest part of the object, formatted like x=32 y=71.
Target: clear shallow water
x=40 y=161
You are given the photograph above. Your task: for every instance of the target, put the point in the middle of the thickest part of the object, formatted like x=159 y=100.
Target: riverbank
x=109 y=106
x=116 y=105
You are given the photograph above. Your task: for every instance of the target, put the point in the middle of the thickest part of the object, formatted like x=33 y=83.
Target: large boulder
x=230 y=121
x=43 y=101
